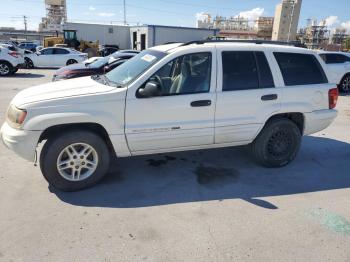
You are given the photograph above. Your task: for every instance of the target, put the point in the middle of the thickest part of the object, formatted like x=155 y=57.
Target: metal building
x=106 y=34
x=146 y=36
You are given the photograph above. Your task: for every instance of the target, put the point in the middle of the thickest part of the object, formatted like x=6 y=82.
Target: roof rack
x=259 y=42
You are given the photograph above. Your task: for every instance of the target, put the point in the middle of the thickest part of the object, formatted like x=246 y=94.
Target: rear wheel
x=74 y=160
x=5 y=68
x=71 y=61
x=277 y=144
x=345 y=84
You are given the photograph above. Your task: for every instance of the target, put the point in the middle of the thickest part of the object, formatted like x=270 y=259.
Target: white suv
x=172 y=98
x=10 y=60
x=338 y=64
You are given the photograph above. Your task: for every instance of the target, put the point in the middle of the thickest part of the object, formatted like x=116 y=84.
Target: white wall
x=92 y=32
x=158 y=35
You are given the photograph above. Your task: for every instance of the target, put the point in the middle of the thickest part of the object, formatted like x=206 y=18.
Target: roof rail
x=201 y=42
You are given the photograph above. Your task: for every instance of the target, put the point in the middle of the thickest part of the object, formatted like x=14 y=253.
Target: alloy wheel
x=4 y=69
x=77 y=162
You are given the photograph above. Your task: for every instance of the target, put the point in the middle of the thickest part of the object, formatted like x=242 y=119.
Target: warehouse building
x=106 y=34
x=137 y=37
x=146 y=36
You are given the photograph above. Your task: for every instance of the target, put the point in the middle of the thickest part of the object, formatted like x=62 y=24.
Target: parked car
x=338 y=64
x=97 y=67
x=95 y=58
x=172 y=98
x=107 y=50
x=54 y=57
x=10 y=60
x=28 y=46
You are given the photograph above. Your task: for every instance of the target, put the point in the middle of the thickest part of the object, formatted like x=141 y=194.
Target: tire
x=5 y=68
x=71 y=61
x=277 y=144
x=54 y=153
x=29 y=63
x=344 y=85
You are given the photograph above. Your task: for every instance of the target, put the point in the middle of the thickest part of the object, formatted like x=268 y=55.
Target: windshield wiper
x=101 y=79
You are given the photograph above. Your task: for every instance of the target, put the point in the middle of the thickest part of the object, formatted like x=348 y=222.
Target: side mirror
x=151 y=89
x=106 y=69
x=37 y=53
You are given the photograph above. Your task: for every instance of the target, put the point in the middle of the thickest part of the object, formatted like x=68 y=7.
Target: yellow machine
x=70 y=40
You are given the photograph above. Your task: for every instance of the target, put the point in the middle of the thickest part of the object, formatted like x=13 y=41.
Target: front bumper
x=318 y=120
x=22 y=142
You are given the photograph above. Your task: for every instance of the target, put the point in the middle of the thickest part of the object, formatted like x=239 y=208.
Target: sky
x=169 y=12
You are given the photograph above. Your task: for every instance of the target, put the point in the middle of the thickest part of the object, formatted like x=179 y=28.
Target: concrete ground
x=213 y=205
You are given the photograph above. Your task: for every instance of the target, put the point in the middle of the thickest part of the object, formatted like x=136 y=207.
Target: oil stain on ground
x=160 y=162
x=214 y=176
x=332 y=221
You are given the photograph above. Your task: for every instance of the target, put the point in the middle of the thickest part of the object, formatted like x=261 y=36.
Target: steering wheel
x=160 y=81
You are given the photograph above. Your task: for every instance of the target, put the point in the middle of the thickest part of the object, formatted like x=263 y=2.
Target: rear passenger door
x=246 y=95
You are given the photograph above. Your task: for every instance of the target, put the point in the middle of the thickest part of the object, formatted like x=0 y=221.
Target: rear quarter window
x=300 y=69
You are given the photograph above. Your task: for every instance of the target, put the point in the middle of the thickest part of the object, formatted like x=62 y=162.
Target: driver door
x=181 y=115
x=45 y=58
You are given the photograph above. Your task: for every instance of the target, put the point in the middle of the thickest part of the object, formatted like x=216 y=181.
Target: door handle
x=269 y=97
x=201 y=103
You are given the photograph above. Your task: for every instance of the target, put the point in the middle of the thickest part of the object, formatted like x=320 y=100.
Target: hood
x=61 y=89
x=71 y=68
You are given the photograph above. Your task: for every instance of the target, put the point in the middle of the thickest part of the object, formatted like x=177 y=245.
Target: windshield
x=99 y=62
x=134 y=67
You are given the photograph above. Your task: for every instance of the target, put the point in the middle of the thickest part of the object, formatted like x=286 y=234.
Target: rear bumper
x=318 y=120
x=22 y=142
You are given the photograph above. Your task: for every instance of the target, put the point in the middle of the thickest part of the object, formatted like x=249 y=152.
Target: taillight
x=14 y=54
x=333 y=97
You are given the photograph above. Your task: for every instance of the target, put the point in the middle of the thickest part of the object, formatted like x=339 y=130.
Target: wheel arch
x=296 y=117
x=87 y=126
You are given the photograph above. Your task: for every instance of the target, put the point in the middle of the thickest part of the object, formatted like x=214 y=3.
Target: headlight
x=16 y=116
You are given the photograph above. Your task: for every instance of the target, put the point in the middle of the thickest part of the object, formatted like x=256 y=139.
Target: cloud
x=346 y=25
x=106 y=14
x=332 y=21
x=91 y=8
x=253 y=14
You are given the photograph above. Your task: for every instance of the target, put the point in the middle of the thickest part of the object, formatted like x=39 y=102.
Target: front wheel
x=74 y=160
x=71 y=62
x=28 y=62
x=345 y=84
x=277 y=144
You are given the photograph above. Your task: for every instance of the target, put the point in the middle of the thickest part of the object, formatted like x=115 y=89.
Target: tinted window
x=188 y=74
x=59 y=51
x=239 y=71
x=48 y=51
x=265 y=75
x=335 y=58
x=300 y=69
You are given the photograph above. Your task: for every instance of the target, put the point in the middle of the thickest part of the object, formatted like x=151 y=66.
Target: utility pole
x=124 y=13
x=25 y=25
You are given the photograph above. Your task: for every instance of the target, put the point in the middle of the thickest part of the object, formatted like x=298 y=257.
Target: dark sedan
x=100 y=66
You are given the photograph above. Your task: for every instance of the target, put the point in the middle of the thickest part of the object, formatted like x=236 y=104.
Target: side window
x=331 y=59
x=265 y=75
x=48 y=51
x=300 y=69
x=346 y=58
x=239 y=71
x=188 y=74
x=60 y=51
